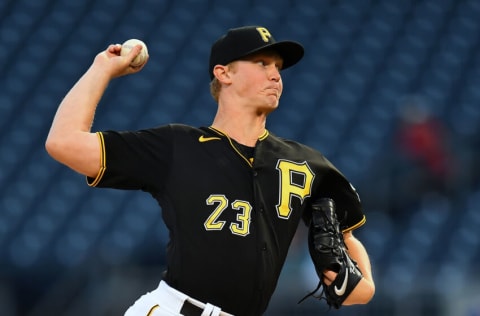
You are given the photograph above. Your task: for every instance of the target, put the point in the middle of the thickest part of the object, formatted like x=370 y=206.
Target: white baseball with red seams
x=127 y=47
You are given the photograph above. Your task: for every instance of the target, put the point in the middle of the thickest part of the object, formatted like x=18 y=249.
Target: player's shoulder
x=292 y=145
x=178 y=129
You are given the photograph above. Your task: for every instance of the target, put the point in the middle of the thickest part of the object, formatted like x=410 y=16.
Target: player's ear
x=221 y=73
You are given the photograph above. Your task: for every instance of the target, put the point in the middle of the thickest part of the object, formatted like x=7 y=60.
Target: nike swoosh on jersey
x=340 y=291
x=203 y=139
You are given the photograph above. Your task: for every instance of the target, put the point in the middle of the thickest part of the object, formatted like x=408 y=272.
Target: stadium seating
x=362 y=59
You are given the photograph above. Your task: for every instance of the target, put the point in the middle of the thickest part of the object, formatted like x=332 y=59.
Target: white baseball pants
x=167 y=301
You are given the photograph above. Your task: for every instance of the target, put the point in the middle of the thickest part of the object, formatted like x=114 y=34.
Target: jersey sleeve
x=134 y=160
x=347 y=200
x=333 y=184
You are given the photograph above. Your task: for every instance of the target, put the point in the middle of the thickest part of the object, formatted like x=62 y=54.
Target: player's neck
x=244 y=129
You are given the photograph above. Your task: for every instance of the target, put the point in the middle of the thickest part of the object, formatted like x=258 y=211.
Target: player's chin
x=269 y=108
x=273 y=101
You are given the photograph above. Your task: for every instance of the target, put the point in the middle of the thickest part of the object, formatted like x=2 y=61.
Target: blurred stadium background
x=388 y=90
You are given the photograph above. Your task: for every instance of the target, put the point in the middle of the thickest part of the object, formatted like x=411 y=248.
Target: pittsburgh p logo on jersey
x=289 y=187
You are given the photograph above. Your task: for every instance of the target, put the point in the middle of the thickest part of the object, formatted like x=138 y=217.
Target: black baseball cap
x=243 y=41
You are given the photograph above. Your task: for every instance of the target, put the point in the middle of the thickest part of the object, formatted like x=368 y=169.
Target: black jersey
x=231 y=218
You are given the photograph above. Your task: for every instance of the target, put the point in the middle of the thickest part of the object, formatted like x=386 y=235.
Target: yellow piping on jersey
x=249 y=161
x=364 y=219
x=264 y=135
x=102 y=162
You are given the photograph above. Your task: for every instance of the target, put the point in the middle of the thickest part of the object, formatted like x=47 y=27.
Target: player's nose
x=274 y=73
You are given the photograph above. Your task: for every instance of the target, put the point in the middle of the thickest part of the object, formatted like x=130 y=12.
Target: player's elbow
x=51 y=146
x=368 y=292
x=54 y=147
x=80 y=151
x=61 y=148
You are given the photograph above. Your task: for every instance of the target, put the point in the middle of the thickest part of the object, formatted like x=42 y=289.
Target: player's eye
x=266 y=62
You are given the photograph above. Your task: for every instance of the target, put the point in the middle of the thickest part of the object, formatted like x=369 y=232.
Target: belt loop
x=207 y=310
x=216 y=311
x=211 y=310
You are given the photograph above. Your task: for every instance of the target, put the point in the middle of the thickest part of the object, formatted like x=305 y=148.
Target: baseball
x=127 y=47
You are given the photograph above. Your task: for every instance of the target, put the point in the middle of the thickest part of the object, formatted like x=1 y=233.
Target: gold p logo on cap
x=264 y=33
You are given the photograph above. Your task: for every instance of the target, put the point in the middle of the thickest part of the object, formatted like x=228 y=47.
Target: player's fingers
x=134 y=52
x=110 y=62
x=114 y=49
x=138 y=68
x=329 y=276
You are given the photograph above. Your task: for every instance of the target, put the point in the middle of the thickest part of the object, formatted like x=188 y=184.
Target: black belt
x=188 y=309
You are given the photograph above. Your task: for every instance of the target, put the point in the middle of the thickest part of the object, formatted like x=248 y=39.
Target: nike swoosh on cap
x=203 y=139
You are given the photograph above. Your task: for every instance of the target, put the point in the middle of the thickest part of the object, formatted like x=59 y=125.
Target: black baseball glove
x=329 y=252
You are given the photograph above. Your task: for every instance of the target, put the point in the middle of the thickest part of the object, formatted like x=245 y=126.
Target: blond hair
x=215 y=88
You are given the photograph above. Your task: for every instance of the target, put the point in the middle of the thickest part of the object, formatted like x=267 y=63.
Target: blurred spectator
x=424 y=160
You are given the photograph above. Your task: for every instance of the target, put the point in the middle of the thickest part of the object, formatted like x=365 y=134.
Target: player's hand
x=112 y=63
x=329 y=276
